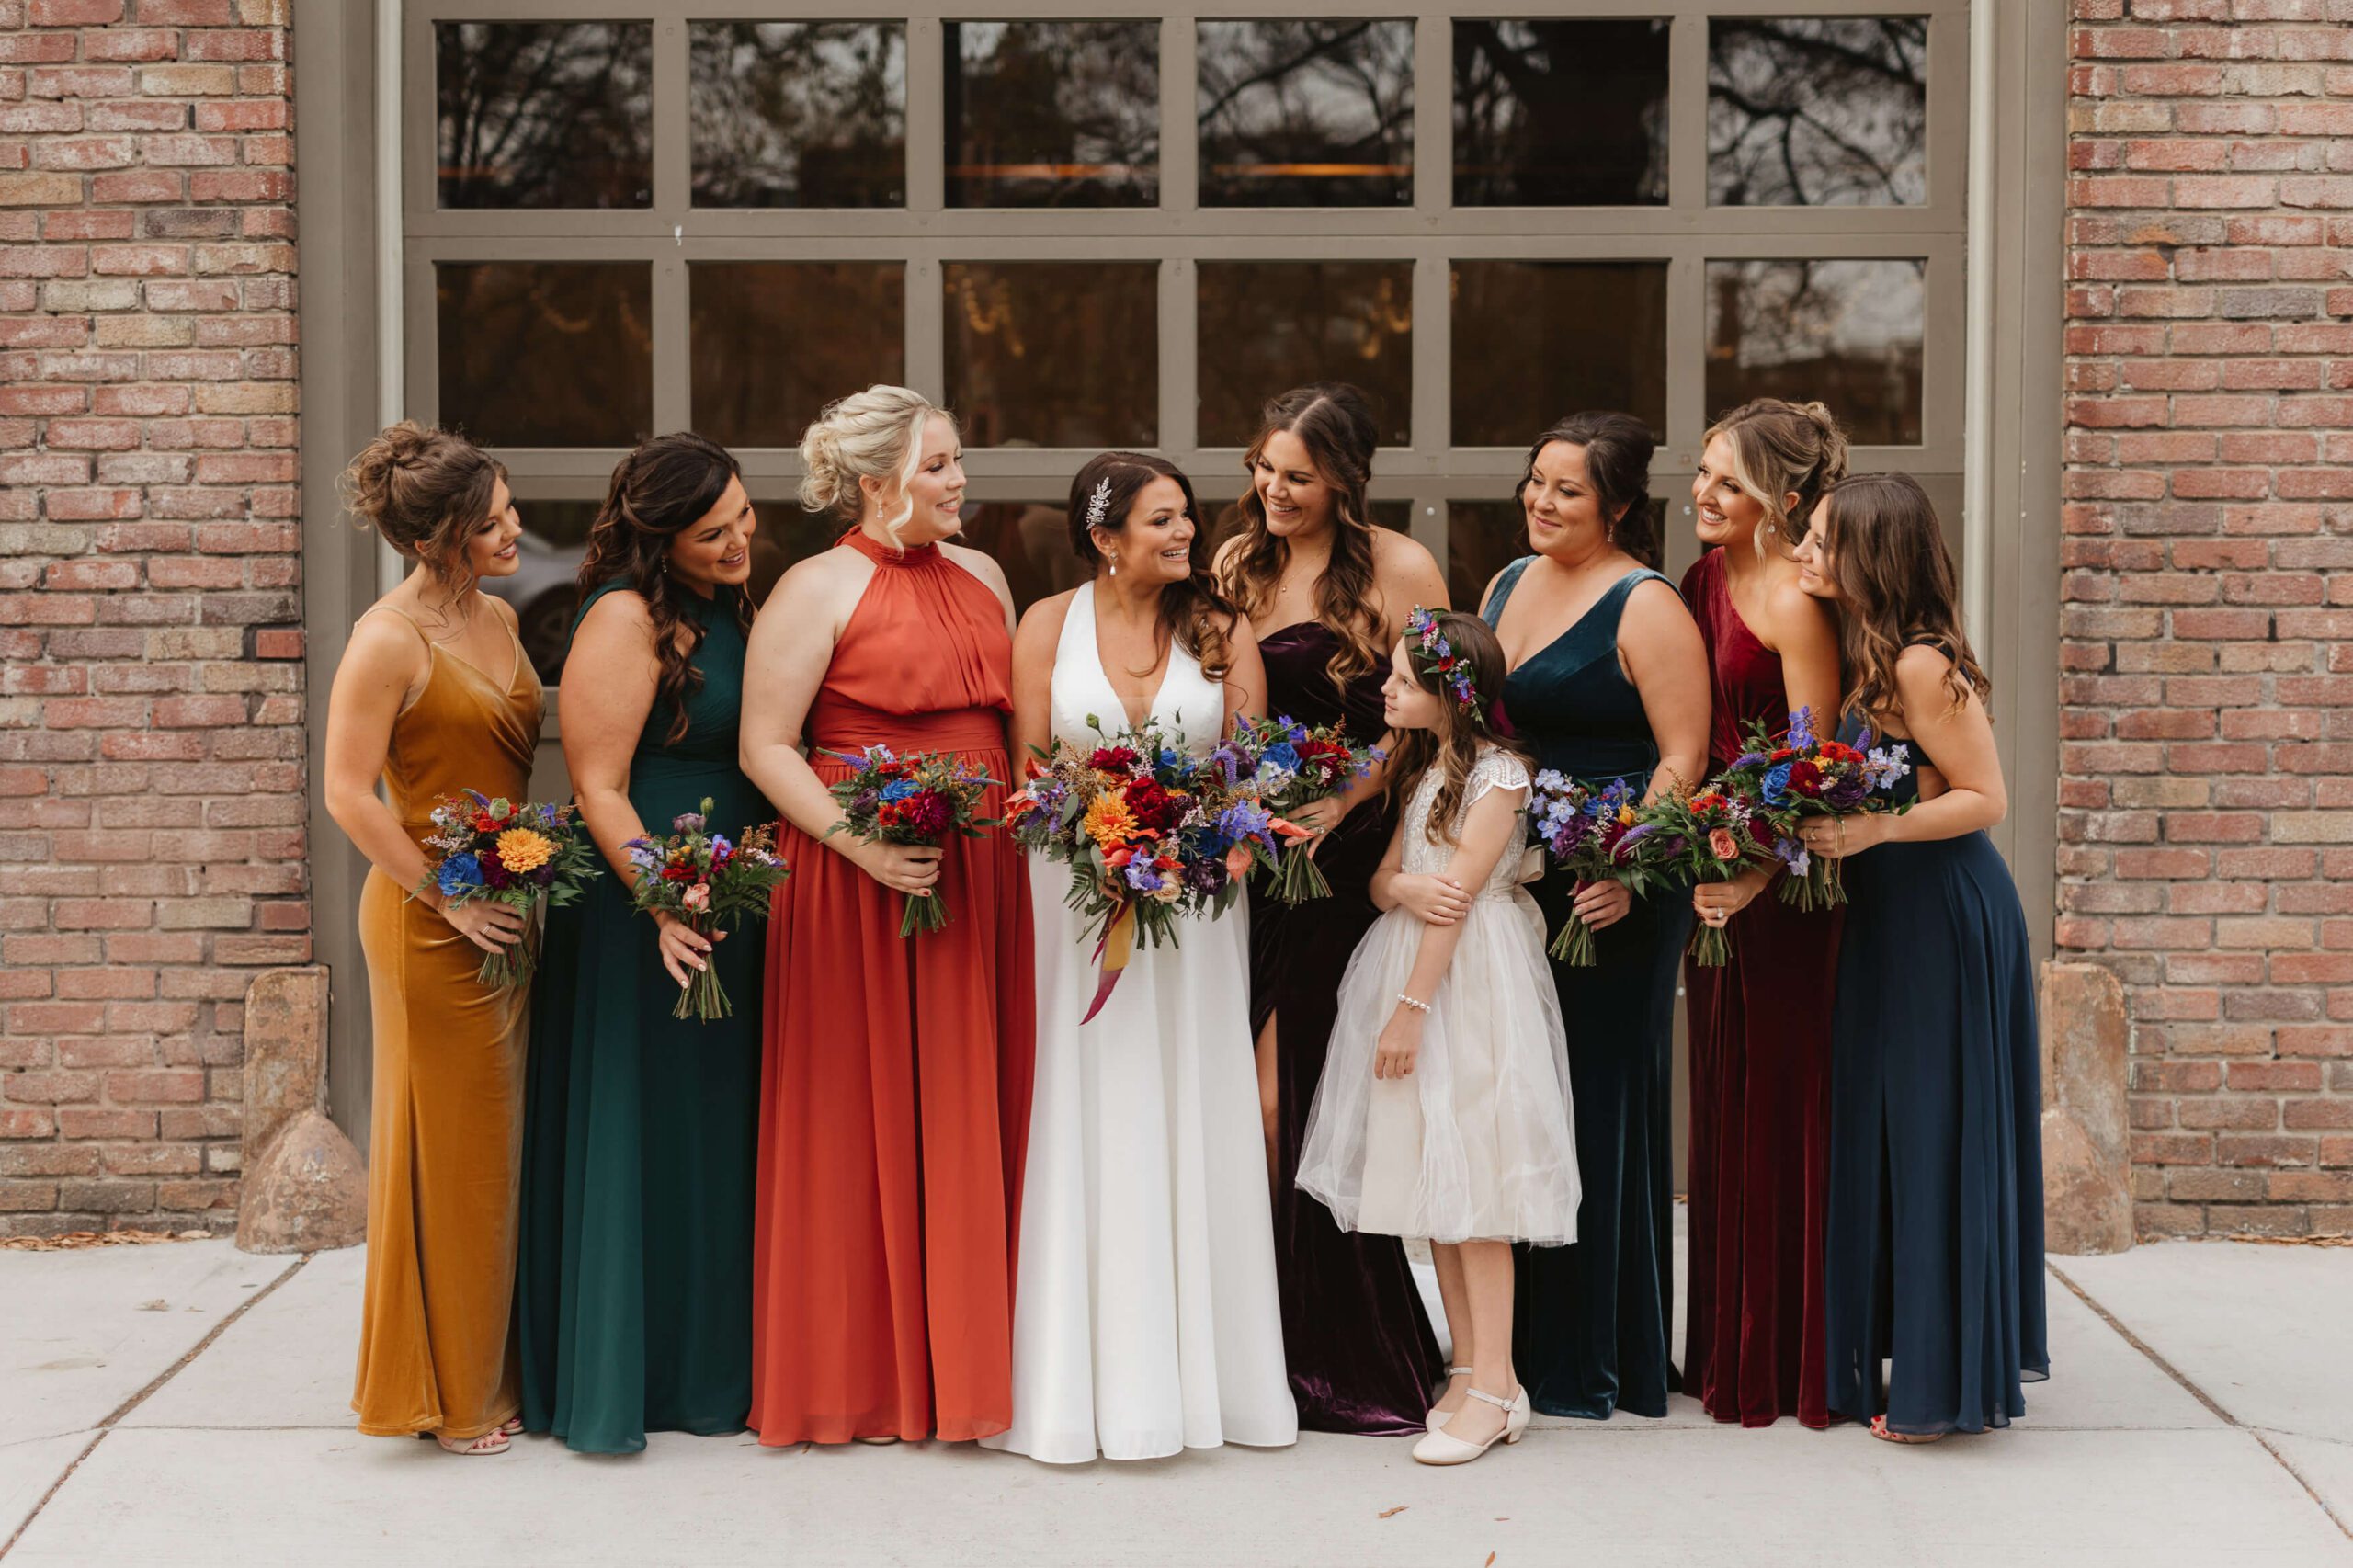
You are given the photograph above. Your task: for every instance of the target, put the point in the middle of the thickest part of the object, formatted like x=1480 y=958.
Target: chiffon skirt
x=1934 y=1258
x=1475 y=1144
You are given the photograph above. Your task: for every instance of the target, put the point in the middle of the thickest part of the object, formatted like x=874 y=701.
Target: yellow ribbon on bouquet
x=1112 y=950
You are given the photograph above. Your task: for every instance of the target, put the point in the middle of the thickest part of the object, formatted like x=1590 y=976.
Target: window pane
x=1053 y=114
x=1031 y=540
x=1306 y=114
x=787 y=536
x=1817 y=111
x=799 y=114
x=546 y=353
x=1846 y=332
x=772 y=342
x=1482 y=539
x=1560 y=113
x=545 y=114
x=1265 y=326
x=1054 y=353
x=1534 y=340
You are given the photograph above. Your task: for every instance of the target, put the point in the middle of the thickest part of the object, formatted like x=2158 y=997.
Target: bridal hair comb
x=1098 y=506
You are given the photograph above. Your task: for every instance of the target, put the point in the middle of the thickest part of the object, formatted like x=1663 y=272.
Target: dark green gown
x=633 y=1290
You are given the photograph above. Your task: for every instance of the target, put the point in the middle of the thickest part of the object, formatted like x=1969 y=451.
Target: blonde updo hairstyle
x=1778 y=448
x=425 y=491
x=876 y=434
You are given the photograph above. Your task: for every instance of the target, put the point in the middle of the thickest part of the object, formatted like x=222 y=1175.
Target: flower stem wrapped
x=520 y=854
x=707 y=880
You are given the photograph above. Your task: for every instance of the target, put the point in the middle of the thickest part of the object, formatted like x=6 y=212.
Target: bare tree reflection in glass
x=1054 y=353
x=1564 y=113
x=1052 y=114
x=769 y=343
x=1534 y=340
x=799 y=114
x=1817 y=111
x=1306 y=113
x=1846 y=332
x=544 y=114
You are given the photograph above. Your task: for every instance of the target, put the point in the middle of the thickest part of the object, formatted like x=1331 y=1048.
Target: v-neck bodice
x=1189 y=708
x=464 y=731
x=1570 y=700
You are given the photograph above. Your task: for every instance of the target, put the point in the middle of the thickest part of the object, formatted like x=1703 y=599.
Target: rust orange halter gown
x=894 y=1103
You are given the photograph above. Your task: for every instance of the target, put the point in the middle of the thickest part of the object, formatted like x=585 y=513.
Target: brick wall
x=151 y=706
x=2206 y=833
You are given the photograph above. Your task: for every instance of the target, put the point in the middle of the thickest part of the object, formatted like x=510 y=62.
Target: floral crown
x=1434 y=653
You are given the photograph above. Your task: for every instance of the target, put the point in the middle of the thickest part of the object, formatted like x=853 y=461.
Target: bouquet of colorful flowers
x=1595 y=835
x=1296 y=767
x=703 y=878
x=1152 y=834
x=919 y=799
x=509 y=852
x=1802 y=776
x=1707 y=835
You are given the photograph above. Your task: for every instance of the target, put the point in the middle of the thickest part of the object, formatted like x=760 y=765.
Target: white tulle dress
x=1477 y=1143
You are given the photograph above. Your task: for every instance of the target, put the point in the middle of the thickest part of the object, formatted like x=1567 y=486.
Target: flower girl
x=1443 y=1111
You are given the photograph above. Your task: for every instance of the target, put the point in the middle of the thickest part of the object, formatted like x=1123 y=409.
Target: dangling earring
x=1114 y=569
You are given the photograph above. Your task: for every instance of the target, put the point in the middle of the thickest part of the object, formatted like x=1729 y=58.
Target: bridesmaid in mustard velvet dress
x=434 y=694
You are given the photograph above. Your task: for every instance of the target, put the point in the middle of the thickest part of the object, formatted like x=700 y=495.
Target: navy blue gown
x=1934 y=1255
x=1590 y=1331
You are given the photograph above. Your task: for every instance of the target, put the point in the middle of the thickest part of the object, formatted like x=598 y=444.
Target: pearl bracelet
x=1415 y=1002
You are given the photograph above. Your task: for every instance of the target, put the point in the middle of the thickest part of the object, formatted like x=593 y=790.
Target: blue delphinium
x=460 y=873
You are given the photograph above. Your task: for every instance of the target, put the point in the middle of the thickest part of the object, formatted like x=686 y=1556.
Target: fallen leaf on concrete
x=157 y=1306
x=1490 y=1562
x=1389 y=1513
x=71 y=1240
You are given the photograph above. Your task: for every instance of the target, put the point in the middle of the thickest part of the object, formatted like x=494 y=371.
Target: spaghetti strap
x=415 y=625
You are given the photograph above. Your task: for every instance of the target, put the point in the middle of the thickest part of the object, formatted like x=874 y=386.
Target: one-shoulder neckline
x=1618 y=583
x=1722 y=577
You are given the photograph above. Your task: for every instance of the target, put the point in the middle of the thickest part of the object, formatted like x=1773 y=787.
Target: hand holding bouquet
x=1708 y=836
x=703 y=878
x=1293 y=768
x=919 y=799
x=512 y=853
x=1596 y=836
x=1151 y=835
x=1802 y=776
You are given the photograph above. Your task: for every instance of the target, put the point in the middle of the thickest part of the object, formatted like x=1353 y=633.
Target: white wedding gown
x=1145 y=1319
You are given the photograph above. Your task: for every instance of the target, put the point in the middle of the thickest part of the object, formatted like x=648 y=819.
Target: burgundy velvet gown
x=1362 y=1355
x=1754 y=1342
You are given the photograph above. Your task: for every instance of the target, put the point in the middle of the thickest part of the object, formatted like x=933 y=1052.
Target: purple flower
x=686 y=822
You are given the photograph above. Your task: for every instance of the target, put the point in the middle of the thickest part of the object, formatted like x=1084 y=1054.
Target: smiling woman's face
x=1156 y=544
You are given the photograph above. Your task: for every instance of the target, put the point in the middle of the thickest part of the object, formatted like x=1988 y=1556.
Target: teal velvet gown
x=1590 y=1335
x=633 y=1290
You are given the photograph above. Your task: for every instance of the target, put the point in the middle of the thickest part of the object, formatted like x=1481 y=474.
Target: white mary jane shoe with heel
x=1442 y=1447
x=1437 y=1417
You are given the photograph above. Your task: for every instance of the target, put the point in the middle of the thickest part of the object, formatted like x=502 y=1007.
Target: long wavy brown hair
x=1454 y=745
x=1894 y=576
x=1333 y=421
x=1193 y=614
x=658 y=491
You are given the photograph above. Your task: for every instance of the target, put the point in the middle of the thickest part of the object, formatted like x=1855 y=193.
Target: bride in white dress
x=1145 y=1319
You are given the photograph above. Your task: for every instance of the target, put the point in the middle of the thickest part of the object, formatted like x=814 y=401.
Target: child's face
x=1405 y=702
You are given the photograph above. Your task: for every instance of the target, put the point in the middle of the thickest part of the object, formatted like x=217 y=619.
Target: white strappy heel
x=1436 y=1417
x=1443 y=1447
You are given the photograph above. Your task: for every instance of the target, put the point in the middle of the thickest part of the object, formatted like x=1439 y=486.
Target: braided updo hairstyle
x=875 y=434
x=1778 y=447
x=425 y=491
x=659 y=491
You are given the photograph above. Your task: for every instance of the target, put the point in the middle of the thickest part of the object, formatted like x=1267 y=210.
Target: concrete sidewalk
x=185 y=1404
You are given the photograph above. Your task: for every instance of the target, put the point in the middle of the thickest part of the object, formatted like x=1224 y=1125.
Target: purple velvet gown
x=1362 y=1359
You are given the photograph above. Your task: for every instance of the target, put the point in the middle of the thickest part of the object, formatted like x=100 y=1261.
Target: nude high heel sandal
x=1443 y=1447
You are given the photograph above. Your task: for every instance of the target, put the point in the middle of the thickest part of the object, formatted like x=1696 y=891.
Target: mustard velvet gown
x=445 y=1139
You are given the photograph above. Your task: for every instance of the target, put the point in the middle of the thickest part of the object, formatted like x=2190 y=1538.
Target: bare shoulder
x=1044 y=620
x=1654 y=601
x=1406 y=574
x=1922 y=667
x=622 y=607
x=498 y=606
x=1797 y=614
x=386 y=642
x=1226 y=552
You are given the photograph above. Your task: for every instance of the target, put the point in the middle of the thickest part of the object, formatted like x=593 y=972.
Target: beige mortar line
x=2202 y=1396
x=136 y=1399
